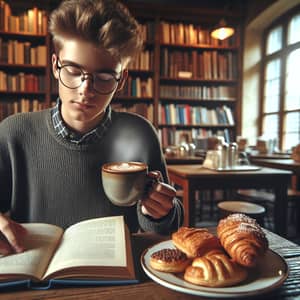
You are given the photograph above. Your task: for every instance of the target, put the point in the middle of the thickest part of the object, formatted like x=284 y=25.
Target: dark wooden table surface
x=149 y=290
x=282 y=164
x=270 y=156
x=179 y=160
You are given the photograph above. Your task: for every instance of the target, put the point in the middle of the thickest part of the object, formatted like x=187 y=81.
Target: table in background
x=283 y=164
x=194 y=177
x=148 y=289
x=269 y=156
x=179 y=160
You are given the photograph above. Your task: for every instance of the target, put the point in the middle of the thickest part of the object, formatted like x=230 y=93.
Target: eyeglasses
x=72 y=77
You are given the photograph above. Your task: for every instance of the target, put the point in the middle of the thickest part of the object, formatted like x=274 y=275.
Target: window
x=274 y=42
x=293 y=30
x=280 y=112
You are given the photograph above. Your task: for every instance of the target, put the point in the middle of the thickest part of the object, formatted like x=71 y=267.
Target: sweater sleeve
x=135 y=138
x=174 y=219
x=5 y=169
x=165 y=225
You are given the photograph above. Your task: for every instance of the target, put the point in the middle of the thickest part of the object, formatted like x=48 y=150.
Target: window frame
x=282 y=55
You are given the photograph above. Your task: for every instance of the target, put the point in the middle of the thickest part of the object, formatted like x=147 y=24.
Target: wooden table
x=269 y=156
x=194 y=177
x=283 y=164
x=179 y=160
x=148 y=289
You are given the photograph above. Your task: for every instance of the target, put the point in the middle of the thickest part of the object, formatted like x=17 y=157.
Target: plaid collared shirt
x=88 y=138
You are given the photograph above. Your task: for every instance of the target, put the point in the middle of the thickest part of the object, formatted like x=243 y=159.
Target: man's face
x=83 y=106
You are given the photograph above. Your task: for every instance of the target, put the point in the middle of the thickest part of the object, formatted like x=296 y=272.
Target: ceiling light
x=222 y=31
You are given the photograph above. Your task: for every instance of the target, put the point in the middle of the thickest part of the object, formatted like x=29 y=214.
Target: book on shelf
x=33 y=21
x=21 y=82
x=18 y=106
x=229 y=115
x=190 y=34
x=170 y=136
x=16 y=52
x=137 y=87
x=207 y=64
x=143 y=109
x=91 y=252
x=148 y=31
x=185 y=114
x=143 y=62
x=212 y=115
x=221 y=116
x=198 y=92
x=5 y=13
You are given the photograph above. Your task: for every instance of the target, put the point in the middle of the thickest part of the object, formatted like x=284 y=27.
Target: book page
x=40 y=243
x=96 y=242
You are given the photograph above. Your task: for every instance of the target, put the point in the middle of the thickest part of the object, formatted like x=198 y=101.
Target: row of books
x=190 y=34
x=172 y=137
x=22 y=82
x=185 y=114
x=16 y=52
x=143 y=109
x=143 y=62
x=138 y=87
x=198 y=92
x=18 y=106
x=148 y=31
x=33 y=21
x=199 y=64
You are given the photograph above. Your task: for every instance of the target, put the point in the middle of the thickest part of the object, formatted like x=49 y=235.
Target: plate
x=269 y=274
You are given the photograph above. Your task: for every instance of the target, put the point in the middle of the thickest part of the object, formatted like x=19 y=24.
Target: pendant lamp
x=222 y=31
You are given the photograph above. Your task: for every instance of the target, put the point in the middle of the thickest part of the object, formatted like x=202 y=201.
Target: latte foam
x=125 y=167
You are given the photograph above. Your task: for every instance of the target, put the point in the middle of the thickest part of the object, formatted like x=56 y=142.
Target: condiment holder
x=226 y=157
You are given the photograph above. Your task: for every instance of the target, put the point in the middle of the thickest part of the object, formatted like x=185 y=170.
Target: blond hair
x=105 y=23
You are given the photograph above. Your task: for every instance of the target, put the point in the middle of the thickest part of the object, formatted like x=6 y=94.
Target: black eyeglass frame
x=85 y=76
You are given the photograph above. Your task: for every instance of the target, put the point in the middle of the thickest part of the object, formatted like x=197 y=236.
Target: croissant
x=195 y=241
x=242 y=238
x=217 y=270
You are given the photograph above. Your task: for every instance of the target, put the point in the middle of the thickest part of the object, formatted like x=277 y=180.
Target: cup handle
x=152 y=178
x=155 y=175
x=155 y=180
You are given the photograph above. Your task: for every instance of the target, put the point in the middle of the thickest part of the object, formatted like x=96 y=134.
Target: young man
x=50 y=161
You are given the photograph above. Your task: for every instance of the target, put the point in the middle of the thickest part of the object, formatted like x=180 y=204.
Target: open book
x=92 y=251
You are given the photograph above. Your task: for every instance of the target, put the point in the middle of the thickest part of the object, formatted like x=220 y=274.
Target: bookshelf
x=138 y=93
x=196 y=79
x=186 y=83
x=24 y=66
x=198 y=86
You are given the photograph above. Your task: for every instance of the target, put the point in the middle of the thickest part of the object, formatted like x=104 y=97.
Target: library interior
x=218 y=81
x=225 y=103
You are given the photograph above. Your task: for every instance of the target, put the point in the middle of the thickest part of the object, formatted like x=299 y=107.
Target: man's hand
x=11 y=236
x=158 y=201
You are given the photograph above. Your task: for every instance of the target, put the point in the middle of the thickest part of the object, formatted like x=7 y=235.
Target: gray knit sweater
x=45 y=178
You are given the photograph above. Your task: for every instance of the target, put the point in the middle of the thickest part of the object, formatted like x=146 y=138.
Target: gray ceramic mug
x=124 y=182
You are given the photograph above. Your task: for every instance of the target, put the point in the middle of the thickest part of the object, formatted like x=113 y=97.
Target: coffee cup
x=124 y=182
